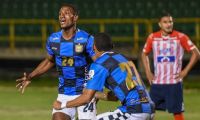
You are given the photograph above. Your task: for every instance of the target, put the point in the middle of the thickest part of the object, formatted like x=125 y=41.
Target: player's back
x=124 y=80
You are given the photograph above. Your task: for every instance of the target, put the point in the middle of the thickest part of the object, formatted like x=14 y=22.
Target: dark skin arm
x=107 y=96
x=94 y=58
x=193 y=59
x=84 y=98
x=43 y=67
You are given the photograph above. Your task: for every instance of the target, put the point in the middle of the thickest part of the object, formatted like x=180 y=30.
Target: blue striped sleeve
x=97 y=77
x=48 y=47
x=89 y=47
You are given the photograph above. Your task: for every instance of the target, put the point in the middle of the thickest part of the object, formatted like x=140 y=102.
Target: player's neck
x=163 y=33
x=69 y=33
x=99 y=54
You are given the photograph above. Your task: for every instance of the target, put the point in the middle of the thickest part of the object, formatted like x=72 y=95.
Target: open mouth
x=62 y=21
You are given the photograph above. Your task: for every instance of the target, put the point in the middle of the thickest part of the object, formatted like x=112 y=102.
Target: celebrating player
x=67 y=49
x=168 y=48
x=118 y=74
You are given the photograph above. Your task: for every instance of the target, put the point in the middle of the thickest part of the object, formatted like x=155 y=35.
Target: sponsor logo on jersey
x=56 y=38
x=166 y=58
x=80 y=38
x=54 y=48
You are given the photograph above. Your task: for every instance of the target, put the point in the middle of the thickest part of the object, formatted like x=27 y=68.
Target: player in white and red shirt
x=168 y=48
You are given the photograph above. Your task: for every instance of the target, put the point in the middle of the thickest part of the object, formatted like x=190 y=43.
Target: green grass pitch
x=36 y=104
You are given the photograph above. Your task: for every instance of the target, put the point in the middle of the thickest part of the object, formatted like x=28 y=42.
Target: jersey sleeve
x=148 y=45
x=186 y=43
x=48 y=47
x=89 y=47
x=98 y=75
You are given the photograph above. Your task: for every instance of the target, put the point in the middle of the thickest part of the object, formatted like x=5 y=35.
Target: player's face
x=67 y=18
x=166 y=24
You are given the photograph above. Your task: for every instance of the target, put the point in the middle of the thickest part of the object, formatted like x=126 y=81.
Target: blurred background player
x=168 y=48
x=67 y=49
x=120 y=75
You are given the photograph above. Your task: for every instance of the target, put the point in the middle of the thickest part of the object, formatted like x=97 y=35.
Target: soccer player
x=118 y=74
x=168 y=47
x=67 y=49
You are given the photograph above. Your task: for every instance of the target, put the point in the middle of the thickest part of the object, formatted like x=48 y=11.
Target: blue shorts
x=168 y=97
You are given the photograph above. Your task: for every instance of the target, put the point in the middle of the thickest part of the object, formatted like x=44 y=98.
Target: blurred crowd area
x=26 y=24
x=48 y=9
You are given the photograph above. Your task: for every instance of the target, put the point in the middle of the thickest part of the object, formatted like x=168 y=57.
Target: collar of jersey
x=106 y=53
x=73 y=38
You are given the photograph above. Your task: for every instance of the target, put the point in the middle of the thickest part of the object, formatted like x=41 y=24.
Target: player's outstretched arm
x=194 y=58
x=43 y=67
x=84 y=98
x=146 y=63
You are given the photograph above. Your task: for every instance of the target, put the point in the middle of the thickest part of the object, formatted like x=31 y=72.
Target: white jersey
x=168 y=52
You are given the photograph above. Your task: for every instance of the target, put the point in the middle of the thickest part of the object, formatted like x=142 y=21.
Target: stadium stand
x=122 y=32
x=98 y=9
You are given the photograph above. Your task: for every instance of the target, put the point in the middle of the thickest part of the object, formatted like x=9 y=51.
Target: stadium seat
x=34 y=7
x=4 y=30
x=4 y=13
x=25 y=10
x=186 y=28
x=45 y=9
x=55 y=11
x=90 y=28
x=50 y=30
x=99 y=9
x=119 y=29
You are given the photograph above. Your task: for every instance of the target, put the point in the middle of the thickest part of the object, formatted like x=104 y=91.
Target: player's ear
x=95 y=48
x=75 y=17
x=159 y=24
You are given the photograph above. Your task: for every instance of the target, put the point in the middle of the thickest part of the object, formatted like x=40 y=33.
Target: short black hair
x=73 y=7
x=164 y=14
x=103 y=42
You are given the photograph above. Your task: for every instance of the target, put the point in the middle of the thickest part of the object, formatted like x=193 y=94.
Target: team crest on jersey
x=79 y=48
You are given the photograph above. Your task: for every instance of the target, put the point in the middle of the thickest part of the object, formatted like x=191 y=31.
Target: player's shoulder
x=83 y=36
x=120 y=57
x=83 y=33
x=97 y=67
x=55 y=36
x=155 y=34
x=102 y=60
x=111 y=60
x=179 y=34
